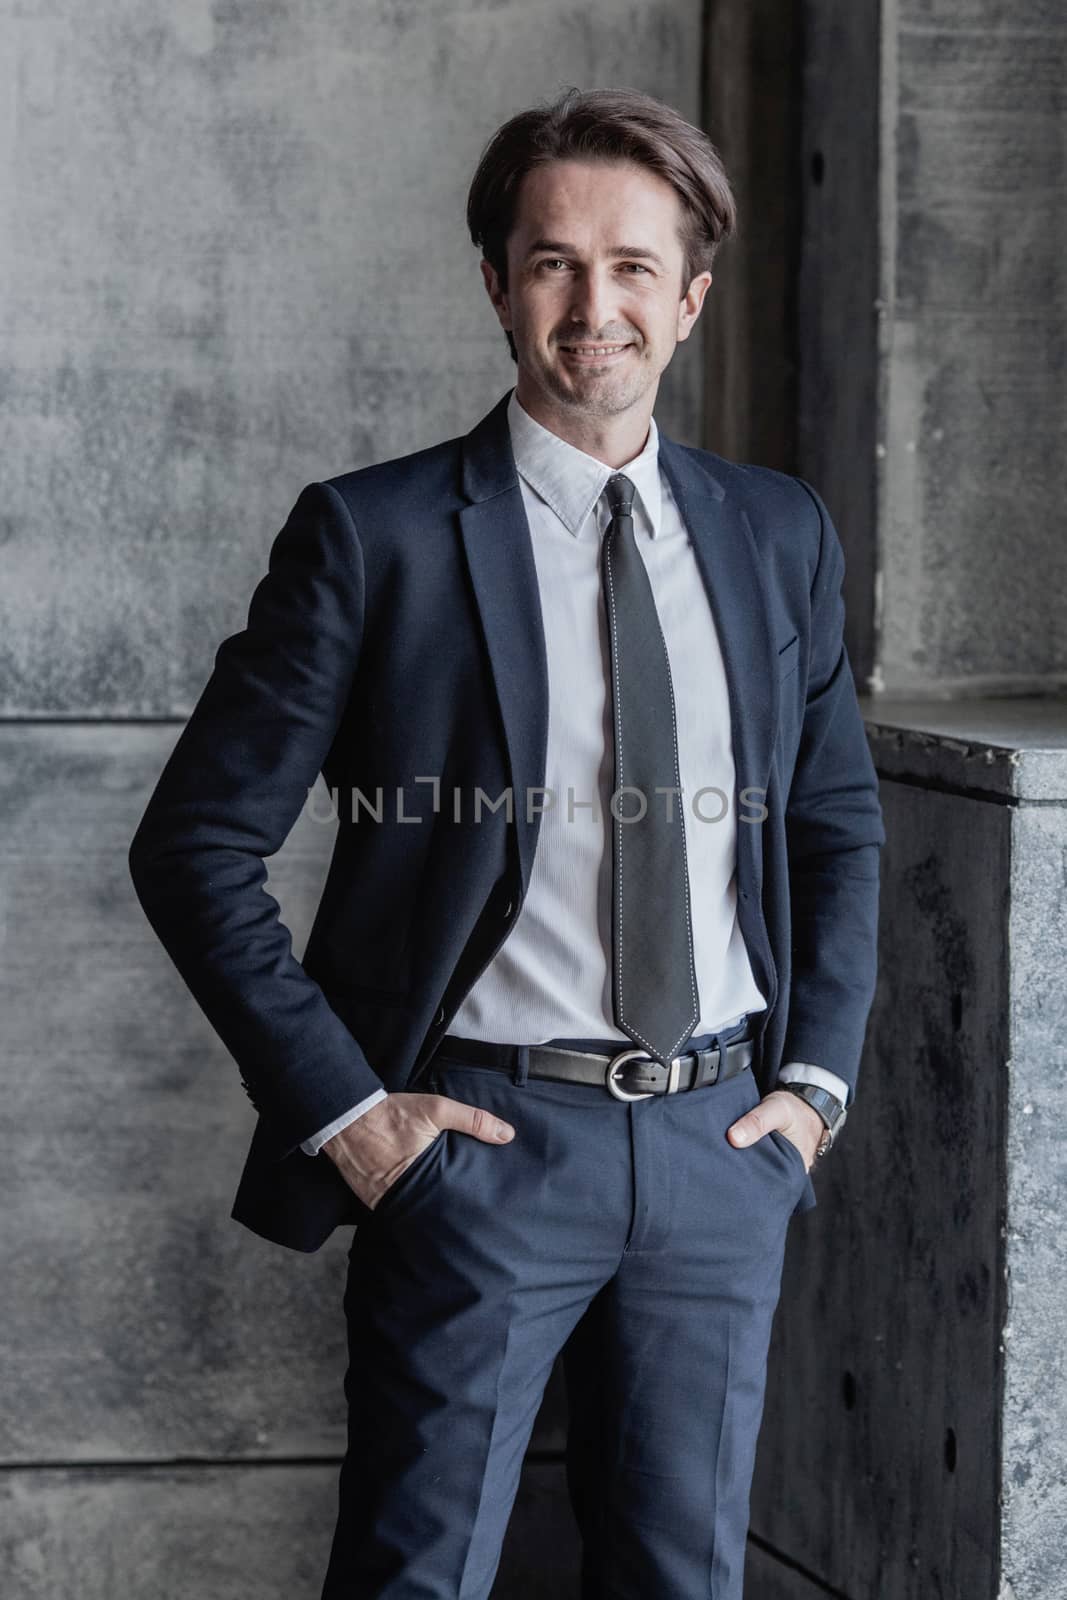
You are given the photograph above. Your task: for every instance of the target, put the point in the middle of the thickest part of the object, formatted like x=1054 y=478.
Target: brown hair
x=603 y=125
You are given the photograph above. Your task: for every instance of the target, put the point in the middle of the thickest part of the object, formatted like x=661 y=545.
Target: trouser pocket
x=412 y=1179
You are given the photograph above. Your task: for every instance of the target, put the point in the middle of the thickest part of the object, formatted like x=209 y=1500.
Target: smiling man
x=565 y=1050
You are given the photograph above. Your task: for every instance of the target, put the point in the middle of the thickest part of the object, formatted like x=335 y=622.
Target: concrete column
x=913 y=1441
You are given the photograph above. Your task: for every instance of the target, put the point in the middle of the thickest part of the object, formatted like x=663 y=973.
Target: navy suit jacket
x=397 y=636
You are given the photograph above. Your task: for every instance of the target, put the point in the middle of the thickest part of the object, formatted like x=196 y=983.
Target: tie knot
x=620 y=492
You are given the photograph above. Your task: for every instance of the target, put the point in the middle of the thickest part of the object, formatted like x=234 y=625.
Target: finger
x=775 y=1110
x=752 y=1126
x=475 y=1120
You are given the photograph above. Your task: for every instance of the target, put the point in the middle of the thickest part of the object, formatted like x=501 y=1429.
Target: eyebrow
x=616 y=251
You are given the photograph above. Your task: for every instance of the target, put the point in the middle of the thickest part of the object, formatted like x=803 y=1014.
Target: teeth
x=594 y=349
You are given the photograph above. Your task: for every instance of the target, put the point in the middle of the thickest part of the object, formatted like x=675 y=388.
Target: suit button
x=507 y=910
x=440 y=1017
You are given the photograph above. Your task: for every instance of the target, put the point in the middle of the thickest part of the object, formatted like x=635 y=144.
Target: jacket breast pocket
x=788 y=656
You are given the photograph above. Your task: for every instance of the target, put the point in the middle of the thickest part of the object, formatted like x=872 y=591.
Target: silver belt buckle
x=616 y=1089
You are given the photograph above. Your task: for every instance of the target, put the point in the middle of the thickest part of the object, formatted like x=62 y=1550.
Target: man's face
x=595 y=259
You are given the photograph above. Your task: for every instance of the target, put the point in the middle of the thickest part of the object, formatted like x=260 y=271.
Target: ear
x=690 y=304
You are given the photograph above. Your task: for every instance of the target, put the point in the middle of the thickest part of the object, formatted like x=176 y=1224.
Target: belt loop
x=522 y=1065
x=718 y=1043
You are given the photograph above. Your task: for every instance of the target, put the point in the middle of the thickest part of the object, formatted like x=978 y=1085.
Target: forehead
x=583 y=201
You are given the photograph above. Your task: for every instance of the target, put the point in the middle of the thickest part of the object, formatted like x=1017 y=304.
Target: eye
x=558 y=261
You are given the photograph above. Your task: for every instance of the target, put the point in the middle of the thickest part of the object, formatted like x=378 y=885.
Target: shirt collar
x=572 y=482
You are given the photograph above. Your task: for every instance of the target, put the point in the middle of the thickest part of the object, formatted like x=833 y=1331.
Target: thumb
x=474 y=1120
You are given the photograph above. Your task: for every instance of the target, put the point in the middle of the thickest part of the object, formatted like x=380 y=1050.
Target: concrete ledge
x=214 y=1532
x=1012 y=747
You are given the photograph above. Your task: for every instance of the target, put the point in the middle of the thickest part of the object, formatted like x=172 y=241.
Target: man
x=588 y=985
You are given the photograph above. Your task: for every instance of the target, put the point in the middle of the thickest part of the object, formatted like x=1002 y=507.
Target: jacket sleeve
x=230 y=792
x=834 y=832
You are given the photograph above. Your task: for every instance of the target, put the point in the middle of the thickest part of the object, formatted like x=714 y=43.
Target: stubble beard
x=597 y=394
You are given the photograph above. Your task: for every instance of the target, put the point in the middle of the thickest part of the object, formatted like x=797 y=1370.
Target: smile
x=587 y=353
x=594 y=351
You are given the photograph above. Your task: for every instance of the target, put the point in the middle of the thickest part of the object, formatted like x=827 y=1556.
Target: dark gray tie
x=654 y=984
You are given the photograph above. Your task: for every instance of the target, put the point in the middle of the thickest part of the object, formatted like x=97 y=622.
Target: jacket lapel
x=730 y=567
x=499 y=554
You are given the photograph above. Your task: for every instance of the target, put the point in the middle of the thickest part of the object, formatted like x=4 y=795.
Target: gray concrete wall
x=792 y=100
x=753 y=115
x=890 y=320
x=233 y=261
x=972 y=561
x=839 y=285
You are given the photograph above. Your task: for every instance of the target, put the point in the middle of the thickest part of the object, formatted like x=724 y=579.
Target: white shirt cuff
x=313 y=1145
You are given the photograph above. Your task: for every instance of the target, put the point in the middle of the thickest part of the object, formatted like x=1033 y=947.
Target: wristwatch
x=827 y=1105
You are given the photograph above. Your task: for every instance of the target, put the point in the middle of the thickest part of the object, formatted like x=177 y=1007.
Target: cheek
x=660 y=319
x=543 y=313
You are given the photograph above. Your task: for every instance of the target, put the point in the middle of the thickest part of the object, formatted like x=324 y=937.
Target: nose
x=592 y=304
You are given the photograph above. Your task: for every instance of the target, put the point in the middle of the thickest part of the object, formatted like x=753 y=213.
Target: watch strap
x=828 y=1106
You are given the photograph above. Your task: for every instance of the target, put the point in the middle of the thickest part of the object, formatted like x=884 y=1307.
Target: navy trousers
x=633 y=1237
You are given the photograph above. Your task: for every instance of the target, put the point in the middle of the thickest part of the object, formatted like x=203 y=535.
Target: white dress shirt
x=551 y=978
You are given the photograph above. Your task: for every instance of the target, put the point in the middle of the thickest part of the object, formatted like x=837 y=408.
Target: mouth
x=593 y=355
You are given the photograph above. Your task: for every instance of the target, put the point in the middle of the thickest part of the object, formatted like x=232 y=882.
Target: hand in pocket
x=373 y=1152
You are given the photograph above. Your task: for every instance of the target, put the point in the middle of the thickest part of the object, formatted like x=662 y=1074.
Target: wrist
x=826 y=1106
x=809 y=1116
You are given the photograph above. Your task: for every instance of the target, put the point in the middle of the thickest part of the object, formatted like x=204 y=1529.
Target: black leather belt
x=628 y=1074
